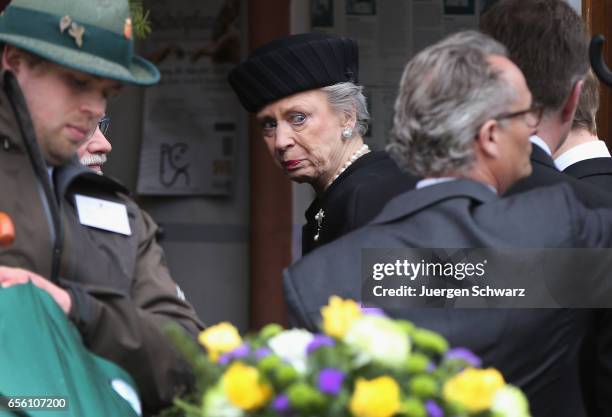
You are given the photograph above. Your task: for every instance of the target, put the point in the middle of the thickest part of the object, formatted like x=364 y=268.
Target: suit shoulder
x=595 y=171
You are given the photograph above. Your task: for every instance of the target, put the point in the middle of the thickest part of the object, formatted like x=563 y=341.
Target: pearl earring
x=347 y=133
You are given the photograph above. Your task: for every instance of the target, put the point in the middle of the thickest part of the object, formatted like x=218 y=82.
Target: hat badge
x=127 y=28
x=75 y=30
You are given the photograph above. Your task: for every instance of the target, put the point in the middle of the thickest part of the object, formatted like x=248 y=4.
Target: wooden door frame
x=598 y=18
x=271 y=216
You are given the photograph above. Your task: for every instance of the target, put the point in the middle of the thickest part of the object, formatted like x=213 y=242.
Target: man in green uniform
x=78 y=236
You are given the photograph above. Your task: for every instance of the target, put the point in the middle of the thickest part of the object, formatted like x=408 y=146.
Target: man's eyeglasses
x=532 y=116
x=104 y=124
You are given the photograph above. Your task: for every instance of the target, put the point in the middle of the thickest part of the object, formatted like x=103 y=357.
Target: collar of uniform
x=588 y=150
x=411 y=202
x=72 y=171
x=538 y=141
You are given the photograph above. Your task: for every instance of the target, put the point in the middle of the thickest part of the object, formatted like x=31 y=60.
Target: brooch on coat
x=319 y=219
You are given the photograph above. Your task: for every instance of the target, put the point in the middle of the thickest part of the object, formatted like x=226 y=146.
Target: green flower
x=216 y=404
x=269 y=364
x=379 y=339
x=509 y=401
x=305 y=398
x=408 y=326
x=424 y=386
x=270 y=330
x=417 y=363
x=285 y=375
x=413 y=407
x=429 y=341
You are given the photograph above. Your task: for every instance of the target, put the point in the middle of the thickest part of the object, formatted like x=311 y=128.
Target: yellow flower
x=379 y=397
x=242 y=387
x=339 y=315
x=474 y=388
x=220 y=339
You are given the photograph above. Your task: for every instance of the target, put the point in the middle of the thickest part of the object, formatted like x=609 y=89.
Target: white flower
x=378 y=339
x=290 y=345
x=216 y=404
x=509 y=401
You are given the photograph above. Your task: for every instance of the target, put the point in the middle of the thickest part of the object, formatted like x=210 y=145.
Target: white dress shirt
x=588 y=150
x=538 y=141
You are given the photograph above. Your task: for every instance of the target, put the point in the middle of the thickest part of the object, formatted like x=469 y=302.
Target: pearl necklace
x=358 y=154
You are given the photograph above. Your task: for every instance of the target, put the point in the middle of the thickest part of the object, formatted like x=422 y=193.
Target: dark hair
x=547 y=40
x=587 y=105
x=31 y=59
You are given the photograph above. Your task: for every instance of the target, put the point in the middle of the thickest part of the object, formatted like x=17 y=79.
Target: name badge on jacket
x=103 y=214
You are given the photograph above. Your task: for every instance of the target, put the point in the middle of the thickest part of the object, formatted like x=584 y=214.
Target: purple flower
x=225 y=358
x=262 y=353
x=281 y=404
x=373 y=311
x=330 y=381
x=319 y=340
x=464 y=355
x=433 y=409
x=431 y=367
x=241 y=351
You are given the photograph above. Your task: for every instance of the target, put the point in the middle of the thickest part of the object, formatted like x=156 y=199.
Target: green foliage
x=205 y=371
x=141 y=25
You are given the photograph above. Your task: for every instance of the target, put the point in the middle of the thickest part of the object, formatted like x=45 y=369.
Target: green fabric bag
x=42 y=355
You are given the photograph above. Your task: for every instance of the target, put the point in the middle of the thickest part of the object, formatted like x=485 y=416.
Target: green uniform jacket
x=121 y=289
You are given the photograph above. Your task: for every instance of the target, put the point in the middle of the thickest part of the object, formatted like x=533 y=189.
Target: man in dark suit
x=466 y=161
x=586 y=158
x=583 y=155
x=548 y=41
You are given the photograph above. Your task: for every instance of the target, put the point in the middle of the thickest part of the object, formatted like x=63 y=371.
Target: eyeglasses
x=532 y=116
x=104 y=124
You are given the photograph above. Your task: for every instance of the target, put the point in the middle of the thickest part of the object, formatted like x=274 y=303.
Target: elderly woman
x=313 y=115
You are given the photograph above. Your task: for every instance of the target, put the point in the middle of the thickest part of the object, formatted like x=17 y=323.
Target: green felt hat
x=91 y=36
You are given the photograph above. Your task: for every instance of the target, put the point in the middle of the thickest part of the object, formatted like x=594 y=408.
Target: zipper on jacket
x=47 y=196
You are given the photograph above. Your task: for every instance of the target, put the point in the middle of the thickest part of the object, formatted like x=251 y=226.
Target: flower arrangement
x=364 y=364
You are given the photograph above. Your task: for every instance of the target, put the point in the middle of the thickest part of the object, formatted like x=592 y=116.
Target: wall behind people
x=205 y=239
